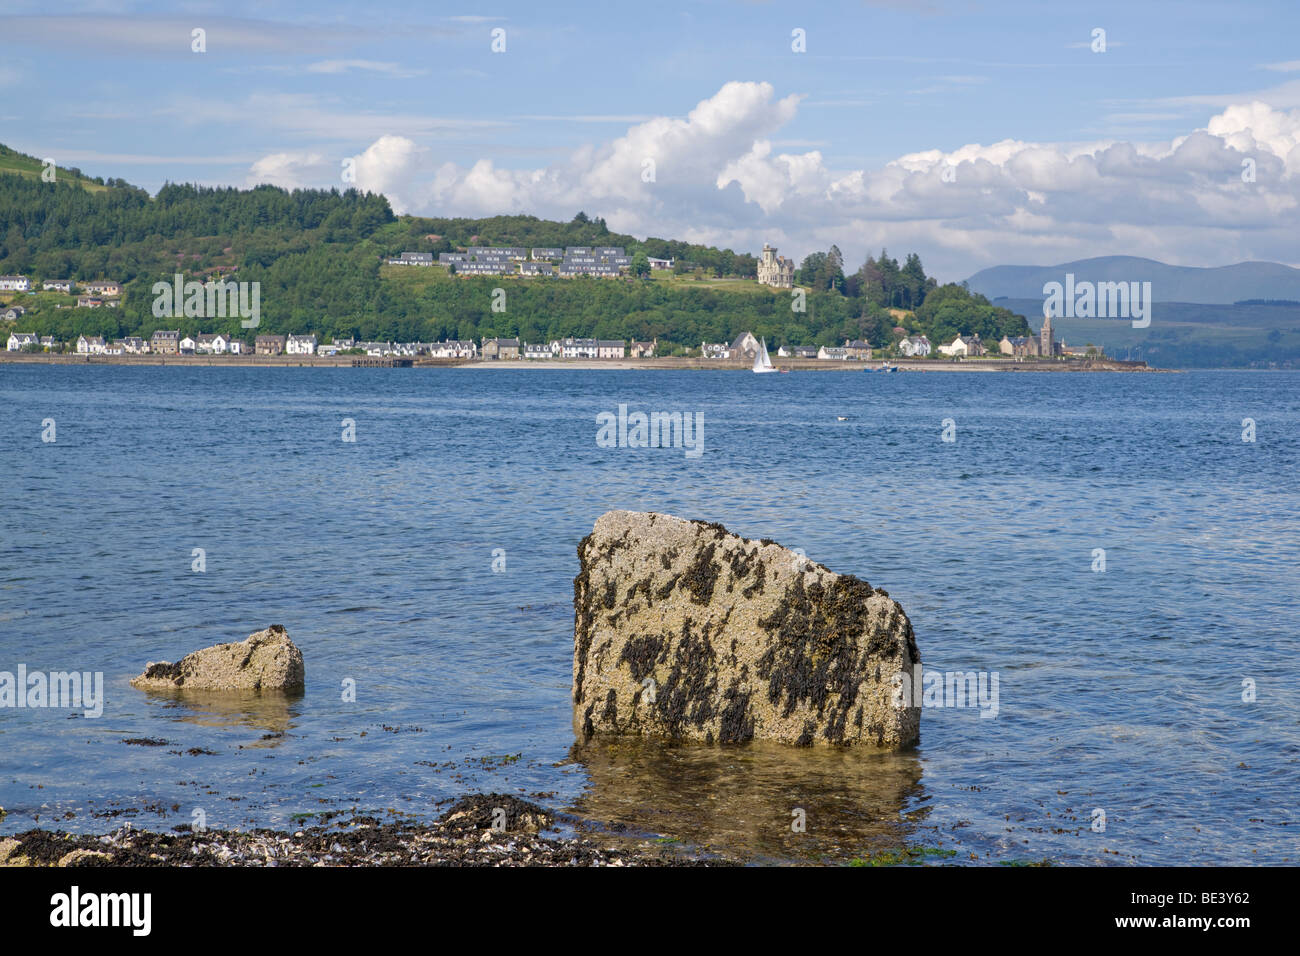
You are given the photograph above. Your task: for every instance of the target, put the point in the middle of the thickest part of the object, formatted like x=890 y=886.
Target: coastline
x=676 y=364
x=469 y=833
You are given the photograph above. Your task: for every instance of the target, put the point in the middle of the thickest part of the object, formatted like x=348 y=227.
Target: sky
x=973 y=133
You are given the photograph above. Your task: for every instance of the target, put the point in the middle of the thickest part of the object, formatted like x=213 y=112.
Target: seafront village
x=598 y=262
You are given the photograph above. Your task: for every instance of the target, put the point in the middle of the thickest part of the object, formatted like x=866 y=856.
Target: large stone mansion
x=774 y=270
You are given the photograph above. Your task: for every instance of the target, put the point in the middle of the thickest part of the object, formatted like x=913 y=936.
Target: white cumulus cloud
x=714 y=176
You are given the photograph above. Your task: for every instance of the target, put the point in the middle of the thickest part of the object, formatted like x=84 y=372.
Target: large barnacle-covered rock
x=684 y=630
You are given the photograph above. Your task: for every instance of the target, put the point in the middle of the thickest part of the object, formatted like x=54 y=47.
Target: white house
x=537 y=351
x=235 y=347
x=963 y=345
x=453 y=349
x=660 y=264
x=187 y=346
x=833 y=353
x=57 y=285
x=575 y=348
x=17 y=340
x=90 y=345
x=14 y=284
x=300 y=345
x=797 y=351
x=915 y=346
x=589 y=348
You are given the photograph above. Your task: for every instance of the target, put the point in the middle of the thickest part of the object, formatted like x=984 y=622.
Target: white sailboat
x=761 y=362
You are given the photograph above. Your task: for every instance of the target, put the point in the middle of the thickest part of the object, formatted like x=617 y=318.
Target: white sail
x=762 y=363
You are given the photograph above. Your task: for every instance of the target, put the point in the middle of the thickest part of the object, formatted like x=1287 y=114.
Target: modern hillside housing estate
x=413 y=259
x=541 y=261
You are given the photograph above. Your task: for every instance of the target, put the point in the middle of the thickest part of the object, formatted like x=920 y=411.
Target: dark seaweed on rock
x=815 y=657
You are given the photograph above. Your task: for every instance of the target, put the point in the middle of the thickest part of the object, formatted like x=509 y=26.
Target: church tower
x=1046 y=344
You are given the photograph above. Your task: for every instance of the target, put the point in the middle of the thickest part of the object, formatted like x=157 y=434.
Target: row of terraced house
x=174 y=342
x=570 y=262
x=568 y=348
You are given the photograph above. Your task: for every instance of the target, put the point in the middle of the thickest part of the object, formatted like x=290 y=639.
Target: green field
x=725 y=284
x=423 y=277
x=31 y=168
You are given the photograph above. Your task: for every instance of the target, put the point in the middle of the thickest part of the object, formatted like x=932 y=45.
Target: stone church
x=1046 y=341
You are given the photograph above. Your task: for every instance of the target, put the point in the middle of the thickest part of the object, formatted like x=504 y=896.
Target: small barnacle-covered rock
x=684 y=630
x=267 y=661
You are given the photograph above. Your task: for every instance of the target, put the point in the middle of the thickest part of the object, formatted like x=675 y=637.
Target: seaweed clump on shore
x=478 y=830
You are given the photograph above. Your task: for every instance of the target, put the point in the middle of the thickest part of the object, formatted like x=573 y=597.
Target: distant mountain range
x=1221 y=285
x=1195 y=321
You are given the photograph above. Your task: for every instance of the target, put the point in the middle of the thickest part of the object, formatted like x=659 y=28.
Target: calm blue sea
x=1121 y=690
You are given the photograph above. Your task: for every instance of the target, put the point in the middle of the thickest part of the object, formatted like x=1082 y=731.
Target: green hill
x=318 y=256
x=21 y=164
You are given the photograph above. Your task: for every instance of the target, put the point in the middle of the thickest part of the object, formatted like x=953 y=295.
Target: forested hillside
x=318 y=256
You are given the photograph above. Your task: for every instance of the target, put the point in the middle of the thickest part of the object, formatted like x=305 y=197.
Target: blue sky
x=1135 y=150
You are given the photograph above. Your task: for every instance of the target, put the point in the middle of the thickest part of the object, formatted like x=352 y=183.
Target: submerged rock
x=684 y=630
x=495 y=811
x=267 y=660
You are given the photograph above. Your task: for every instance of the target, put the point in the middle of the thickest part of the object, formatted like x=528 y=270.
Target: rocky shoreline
x=478 y=830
